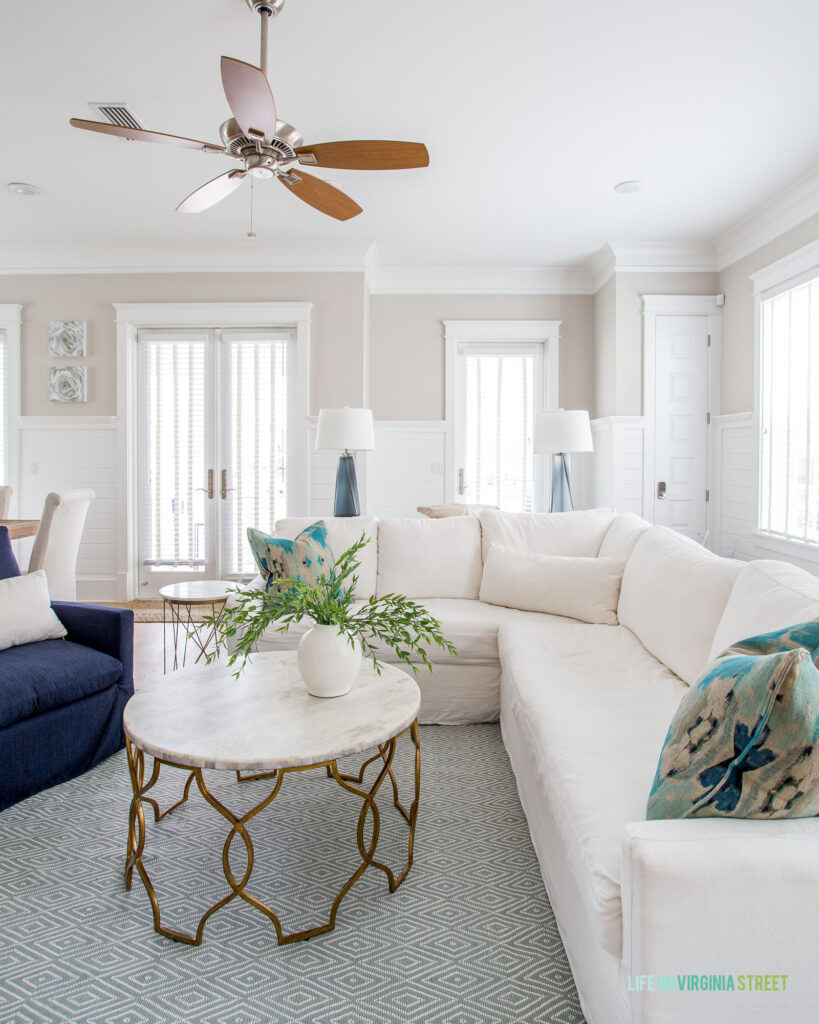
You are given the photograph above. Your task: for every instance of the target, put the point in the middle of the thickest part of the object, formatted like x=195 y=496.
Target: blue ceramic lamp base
x=346 y=503
x=561 y=491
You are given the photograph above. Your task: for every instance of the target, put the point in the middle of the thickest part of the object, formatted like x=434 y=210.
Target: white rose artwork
x=66 y=338
x=67 y=384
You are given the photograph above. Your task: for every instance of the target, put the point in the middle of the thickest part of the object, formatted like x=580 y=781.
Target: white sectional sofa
x=584 y=709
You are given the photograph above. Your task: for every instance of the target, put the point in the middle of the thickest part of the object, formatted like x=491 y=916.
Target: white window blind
x=254 y=383
x=789 y=420
x=173 y=450
x=3 y=409
x=502 y=387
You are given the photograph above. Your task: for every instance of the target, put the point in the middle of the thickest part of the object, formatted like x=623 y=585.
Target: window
x=789 y=411
x=500 y=374
x=501 y=390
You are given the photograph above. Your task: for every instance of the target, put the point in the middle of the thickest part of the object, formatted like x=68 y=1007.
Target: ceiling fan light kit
x=267 y=147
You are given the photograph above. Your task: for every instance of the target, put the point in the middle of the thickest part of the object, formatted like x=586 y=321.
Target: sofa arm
x=108 y=630
x=714 y=896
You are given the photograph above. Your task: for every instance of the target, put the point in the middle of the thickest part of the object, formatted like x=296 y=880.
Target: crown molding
x=786 y=210
x=242 y=257
x=479 y=280
x=650 y=257
x=601 y=267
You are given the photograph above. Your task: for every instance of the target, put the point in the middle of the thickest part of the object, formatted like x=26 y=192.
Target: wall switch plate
x=436 y=469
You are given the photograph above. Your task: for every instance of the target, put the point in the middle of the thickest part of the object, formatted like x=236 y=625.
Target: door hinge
x=708 y=418
x=707 y=495
x=709 y=341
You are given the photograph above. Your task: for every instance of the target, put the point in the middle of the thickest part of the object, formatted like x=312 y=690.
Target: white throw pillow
x=26 y=615
x=579 y=588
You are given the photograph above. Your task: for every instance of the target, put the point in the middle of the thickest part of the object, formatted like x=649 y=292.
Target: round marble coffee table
x=266 y=725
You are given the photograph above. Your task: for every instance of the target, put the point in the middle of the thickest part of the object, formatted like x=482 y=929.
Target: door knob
x=225 y=487
x=209 y=489
x=660 y=489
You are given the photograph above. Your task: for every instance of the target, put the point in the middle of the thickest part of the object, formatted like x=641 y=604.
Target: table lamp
x=560 y=434
x=345 y=430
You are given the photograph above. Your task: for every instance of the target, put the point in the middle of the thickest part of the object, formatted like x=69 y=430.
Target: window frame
x=465 y=332
x=781 y=276
x=11 y=316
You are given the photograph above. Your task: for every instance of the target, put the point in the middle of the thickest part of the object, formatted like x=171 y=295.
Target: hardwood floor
x=148 y=654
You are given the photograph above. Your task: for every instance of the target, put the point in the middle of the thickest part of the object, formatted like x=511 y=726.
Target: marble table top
x=266 y=719
x=197 y=592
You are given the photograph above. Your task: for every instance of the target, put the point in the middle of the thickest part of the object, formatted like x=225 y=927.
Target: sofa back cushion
x=622 y=536
x=430 y=557
x=672 y=598
x=342 y=533
x=578 y=588
x=767 y=596
x=574 y=534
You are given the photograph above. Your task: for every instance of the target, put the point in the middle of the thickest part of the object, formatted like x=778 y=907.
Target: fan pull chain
x=251 y=233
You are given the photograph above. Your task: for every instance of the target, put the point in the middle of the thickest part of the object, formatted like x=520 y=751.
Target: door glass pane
x=3 y=408
x=499 y=409
x=254 y=441
x=172 y=451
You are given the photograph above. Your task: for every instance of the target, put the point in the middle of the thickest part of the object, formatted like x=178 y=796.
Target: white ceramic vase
x=328 y=663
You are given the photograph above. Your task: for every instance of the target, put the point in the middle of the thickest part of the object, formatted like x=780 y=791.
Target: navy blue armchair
x=61 y=701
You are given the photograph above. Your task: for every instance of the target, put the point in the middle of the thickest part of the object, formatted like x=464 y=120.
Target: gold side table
x=270 y=727
x=178 y=602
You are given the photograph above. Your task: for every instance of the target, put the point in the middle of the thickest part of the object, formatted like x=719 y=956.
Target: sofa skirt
x=60 y=744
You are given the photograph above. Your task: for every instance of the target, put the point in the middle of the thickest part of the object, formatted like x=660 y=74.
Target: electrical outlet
x=436 y=469
x=35 y=469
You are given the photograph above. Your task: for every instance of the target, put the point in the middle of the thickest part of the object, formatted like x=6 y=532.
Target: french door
x=214 y=449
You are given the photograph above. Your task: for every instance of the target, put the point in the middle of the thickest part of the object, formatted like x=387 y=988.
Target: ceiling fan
x=268 y=148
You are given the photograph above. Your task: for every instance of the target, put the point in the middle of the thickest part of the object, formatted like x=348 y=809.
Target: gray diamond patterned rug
x=469 y=938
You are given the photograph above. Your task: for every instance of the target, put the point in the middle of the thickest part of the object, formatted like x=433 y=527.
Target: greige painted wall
x=407 y=346
x=605 y=350
x=738 y=314
x=338 y=355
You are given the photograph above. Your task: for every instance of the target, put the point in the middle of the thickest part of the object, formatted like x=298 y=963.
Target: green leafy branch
x=391 y=620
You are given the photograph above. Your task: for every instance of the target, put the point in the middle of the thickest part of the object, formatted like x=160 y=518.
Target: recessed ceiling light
x=626 y=187
x=20 y=188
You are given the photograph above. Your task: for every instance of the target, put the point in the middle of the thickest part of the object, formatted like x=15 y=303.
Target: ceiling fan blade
x=366 y=156
x=140 y=135
x=322 y=196
x=212 y=192
x=249 y=98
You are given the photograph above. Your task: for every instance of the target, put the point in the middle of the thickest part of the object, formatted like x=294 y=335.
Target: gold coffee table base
x=351 y=783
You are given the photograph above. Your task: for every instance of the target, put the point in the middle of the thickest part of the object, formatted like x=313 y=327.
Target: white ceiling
x=531 y=109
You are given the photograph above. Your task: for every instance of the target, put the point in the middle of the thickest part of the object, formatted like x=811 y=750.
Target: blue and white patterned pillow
x=744 y=742
x=303 y=559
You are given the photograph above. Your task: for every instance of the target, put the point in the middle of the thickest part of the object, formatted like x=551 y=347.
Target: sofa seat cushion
x=35 y=678
x=471 y=626
x=594 y=707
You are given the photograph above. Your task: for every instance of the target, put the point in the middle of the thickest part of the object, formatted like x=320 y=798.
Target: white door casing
x=681 y=394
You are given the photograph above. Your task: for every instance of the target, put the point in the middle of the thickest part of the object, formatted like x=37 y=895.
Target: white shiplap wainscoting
x=407 y=468
x=734 y=473
x=62 y=453
x=618 y=463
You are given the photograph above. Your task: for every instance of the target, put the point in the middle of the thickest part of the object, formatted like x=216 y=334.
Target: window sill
x=788 y=548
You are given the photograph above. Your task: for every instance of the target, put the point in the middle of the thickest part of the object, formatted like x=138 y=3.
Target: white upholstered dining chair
x=5 y=500
x=58 y=541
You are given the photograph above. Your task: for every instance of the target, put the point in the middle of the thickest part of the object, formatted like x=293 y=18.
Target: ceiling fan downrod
x=266 y=9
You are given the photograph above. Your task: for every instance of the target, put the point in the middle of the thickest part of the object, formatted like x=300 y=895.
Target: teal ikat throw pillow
x=744 y=742
x=303 y=559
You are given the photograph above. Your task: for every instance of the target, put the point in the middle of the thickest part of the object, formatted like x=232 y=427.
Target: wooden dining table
x=19 y=528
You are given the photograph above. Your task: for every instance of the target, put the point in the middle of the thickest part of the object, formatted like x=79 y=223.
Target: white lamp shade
x=345 y=430
x=565 y=431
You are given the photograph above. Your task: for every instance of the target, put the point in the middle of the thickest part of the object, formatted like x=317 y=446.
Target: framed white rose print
x=66 y=338
x=67 y=384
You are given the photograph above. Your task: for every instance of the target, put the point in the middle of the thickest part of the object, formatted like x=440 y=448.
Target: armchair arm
x=715 y=896
x=108 y=630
